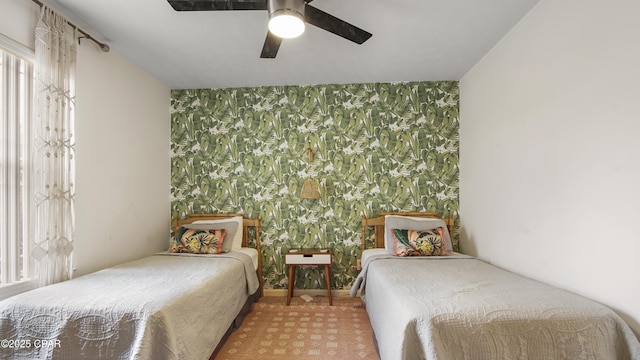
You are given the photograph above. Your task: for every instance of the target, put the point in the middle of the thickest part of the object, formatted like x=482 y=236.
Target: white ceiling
x=413 y=40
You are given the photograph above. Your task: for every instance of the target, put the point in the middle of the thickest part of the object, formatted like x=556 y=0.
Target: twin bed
x=458 y=307
x=166 y=306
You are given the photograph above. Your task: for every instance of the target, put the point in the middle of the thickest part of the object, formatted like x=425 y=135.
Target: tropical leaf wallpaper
x=377 y=147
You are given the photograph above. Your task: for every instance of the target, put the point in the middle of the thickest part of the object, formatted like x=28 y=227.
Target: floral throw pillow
x=419 y=242
x=198 y=241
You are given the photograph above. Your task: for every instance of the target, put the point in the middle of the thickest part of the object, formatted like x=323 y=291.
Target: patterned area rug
x=302 y=331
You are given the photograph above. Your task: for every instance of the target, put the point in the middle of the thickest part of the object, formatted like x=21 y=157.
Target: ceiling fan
x=291 y=9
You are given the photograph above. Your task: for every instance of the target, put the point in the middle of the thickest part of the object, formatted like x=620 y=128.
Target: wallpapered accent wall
x=378 y=147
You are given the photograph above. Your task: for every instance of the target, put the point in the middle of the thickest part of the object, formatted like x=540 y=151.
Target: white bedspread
x=159 y=307
x=462 y=308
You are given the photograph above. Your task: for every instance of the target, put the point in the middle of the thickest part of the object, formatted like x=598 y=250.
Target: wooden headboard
x=378 y=225
x=246 y=224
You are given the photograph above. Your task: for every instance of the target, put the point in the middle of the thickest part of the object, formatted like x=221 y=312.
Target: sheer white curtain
x=53 y=149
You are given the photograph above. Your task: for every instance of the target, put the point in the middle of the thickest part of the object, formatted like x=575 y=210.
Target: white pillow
x=411 y=223
x=233 y=225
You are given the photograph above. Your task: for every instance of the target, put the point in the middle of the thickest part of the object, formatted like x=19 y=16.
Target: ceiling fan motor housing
x=288 y=6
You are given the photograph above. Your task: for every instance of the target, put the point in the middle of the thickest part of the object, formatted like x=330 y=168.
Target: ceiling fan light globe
x=286 y=24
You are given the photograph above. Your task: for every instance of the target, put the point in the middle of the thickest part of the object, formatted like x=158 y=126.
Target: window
x=16 y=94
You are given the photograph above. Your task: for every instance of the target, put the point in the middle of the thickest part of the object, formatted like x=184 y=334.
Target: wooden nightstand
x=308 y=257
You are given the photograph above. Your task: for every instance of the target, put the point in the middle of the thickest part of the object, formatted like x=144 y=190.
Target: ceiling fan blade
x=212 y=5
x=332 y=24
x=271 y=46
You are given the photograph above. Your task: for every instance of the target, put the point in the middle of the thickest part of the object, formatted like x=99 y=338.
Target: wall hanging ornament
x=310 y=188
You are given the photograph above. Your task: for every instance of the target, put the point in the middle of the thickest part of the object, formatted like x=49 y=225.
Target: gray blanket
x=159 y=307
x=429 y=308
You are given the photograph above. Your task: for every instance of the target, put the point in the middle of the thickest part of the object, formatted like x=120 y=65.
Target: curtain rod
x=104 y=47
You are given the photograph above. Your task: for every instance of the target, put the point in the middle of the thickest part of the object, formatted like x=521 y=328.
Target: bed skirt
x=235 y=325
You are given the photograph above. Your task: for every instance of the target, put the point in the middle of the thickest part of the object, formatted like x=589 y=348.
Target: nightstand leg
x=328 y=277
x=292 y=280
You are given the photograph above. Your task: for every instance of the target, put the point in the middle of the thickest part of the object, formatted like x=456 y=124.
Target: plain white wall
x=17 y=21
x=549 y=151
x=122 y=151
x=123 y=163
